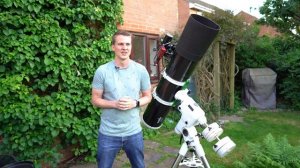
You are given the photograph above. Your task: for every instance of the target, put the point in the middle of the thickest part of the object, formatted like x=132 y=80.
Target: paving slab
x=156 y=156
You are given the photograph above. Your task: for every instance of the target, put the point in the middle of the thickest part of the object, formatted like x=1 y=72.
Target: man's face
x=122 y=47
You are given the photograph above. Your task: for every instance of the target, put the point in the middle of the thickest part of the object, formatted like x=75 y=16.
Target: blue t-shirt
x=118 y=83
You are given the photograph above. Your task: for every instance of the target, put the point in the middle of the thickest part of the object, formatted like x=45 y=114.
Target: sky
x=237 y=5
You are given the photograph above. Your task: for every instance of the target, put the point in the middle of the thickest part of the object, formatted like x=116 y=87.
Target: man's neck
x=122 y=63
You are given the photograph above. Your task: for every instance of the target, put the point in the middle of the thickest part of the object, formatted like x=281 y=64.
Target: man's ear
x=112 y=47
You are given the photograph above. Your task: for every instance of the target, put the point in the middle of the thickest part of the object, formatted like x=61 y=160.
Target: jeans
x=109 y=146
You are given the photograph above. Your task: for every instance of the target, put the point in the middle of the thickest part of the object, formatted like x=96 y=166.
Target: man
x=120 y=87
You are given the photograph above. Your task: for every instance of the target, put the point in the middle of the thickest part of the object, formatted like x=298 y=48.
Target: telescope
x=197 y=36
x=195 y=39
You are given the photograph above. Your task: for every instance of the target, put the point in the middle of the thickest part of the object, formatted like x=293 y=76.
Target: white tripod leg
x=181 y=154
x=200 y=151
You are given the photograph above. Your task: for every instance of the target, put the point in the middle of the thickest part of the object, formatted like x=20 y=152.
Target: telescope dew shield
x=194 y=41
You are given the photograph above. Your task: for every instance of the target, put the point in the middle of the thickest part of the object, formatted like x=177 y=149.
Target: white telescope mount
x=192 y=115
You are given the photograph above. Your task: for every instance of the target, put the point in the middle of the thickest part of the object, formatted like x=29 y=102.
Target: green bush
x=287 y=66
x=255 y=53
x=49 y=51
x=250 y=53
x=280 y=54
x=271 y=153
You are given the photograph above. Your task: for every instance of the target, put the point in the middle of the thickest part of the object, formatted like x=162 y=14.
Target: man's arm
x=145 y=97
x=122 y=104
x=98 y=101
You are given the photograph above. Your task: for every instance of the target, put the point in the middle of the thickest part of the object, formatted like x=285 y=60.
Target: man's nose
x=124 y=46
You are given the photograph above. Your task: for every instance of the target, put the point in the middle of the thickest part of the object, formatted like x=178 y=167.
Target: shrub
x=288 y=69
x=255 y=54
x=280 y=54
x=271 y=153
x=49 y=52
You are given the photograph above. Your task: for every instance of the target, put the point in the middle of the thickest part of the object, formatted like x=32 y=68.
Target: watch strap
x=137 y=103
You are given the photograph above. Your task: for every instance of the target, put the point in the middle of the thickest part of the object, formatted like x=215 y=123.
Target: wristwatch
x=137 y=103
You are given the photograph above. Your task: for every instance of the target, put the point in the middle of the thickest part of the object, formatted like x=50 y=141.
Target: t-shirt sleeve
x=98 y=80
x=145 y=80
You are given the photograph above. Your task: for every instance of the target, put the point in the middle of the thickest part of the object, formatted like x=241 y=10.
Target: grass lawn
x=254 y=128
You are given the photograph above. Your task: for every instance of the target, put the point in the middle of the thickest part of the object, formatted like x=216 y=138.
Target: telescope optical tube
x=195 y=39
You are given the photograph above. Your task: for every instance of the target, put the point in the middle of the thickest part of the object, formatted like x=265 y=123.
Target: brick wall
x=268 y=31
x=264 y=30
x=153 y=17
x=183 y=13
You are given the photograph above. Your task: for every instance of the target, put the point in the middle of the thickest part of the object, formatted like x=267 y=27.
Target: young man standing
x=119 y=88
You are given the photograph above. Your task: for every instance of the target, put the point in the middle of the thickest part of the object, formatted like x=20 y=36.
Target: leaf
x=37 y=8
x=54 y=133
x=30 y=8
x=31 y=64
x=7 y=32
x=25 y=128
x=2 y=68
x=61 y=59
x=47 y=61
x=36 y=38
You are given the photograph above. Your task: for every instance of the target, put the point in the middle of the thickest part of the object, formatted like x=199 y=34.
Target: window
x=143 y=51
x=139 y=49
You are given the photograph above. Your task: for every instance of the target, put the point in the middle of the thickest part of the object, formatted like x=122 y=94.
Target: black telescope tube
x=195 y=39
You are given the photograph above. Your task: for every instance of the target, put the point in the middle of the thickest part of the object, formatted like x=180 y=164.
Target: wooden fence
x=214 y=76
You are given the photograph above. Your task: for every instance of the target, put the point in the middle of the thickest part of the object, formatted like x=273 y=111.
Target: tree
x=285 y=16
x=282 y=14
x=232 y=27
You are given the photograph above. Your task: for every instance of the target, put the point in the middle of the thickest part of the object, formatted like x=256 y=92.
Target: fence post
x=216 y=77
x=231 y=48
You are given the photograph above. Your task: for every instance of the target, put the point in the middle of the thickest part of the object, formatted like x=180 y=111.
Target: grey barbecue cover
x=259 y=89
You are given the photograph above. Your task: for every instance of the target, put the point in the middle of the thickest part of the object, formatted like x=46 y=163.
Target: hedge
x=49 y=51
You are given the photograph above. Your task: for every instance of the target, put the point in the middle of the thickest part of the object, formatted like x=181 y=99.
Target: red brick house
x=148 y=21
x=264 y=29
x=199 y=7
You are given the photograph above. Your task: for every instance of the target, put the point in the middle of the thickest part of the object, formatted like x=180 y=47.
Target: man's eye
x=124 y=44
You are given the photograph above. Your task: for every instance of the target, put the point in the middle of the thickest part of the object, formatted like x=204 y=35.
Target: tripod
x=191 y=116
x=191 y=141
